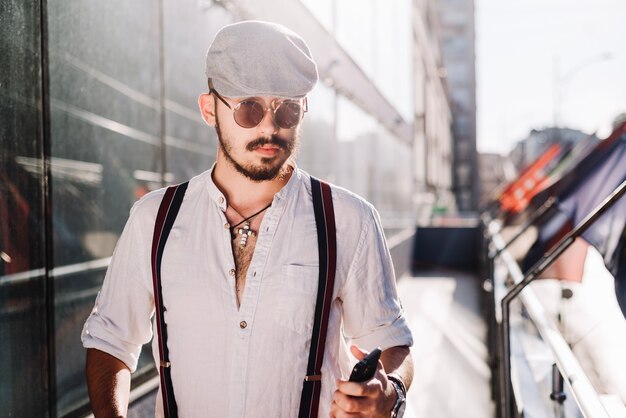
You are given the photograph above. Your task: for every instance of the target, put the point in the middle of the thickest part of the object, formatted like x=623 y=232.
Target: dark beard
x=267 y=171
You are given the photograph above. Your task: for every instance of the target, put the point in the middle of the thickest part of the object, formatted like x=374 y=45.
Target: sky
x=526 y=50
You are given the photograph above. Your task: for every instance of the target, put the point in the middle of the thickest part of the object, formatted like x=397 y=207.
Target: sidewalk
x=452 y=376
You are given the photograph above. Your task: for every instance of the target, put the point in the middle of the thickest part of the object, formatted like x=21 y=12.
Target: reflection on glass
x=380 y=39
x=189 y=27
x=356 y=31
x=317 y=142
x=105 y=130
x=23 y=354
x=374 y=164
x=112 y=109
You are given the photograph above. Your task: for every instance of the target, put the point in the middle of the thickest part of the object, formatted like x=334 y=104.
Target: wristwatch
x=400 y=405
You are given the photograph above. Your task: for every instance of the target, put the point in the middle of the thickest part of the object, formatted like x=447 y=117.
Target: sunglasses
x=250 y=112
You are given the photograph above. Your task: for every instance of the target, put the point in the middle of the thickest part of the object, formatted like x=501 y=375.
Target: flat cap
x=255 y=58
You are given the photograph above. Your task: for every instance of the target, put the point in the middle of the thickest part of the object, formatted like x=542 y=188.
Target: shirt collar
x=216 y=194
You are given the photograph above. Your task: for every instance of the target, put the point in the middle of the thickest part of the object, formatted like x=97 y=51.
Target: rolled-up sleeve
x=373 y=314
x=120 y=322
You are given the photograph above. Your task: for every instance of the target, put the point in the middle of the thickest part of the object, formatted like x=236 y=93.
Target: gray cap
x=254 y=58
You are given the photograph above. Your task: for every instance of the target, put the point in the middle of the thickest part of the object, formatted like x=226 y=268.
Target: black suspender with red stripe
x=165 y=219
x=327 y=247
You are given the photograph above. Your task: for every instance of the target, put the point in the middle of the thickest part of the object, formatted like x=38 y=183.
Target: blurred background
x=425 y=107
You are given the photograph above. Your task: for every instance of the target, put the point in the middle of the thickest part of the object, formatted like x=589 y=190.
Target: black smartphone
x=364 y=370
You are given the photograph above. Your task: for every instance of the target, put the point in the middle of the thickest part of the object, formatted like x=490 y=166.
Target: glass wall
x=188 y=28
x=318 y=137
x=380 y=39
x=105 y=119
x=23 y=320
x=368 y=158
x=374 y=164
x=124 y=83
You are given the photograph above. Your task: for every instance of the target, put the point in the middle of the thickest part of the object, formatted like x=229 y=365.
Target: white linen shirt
x=251 y=361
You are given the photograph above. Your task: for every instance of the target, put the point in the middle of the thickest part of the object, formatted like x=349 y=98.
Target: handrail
x=586 y=396
x=534 y=273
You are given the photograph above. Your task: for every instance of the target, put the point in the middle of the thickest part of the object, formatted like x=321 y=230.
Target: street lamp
x=561 y=81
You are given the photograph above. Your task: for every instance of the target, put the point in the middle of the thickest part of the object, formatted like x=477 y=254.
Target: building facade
x=456 y=20
x=433 y=117
x=98 y=107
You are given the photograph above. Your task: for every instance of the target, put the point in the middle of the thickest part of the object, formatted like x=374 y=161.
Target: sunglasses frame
x=273 y=108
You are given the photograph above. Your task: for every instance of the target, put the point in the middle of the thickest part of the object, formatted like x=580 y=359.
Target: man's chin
x=269 y=169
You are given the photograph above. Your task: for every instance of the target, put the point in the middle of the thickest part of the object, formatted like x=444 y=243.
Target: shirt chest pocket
x=297 y=296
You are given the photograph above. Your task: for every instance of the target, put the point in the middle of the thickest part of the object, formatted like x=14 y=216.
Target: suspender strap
x=327 y=247
x=165 y=219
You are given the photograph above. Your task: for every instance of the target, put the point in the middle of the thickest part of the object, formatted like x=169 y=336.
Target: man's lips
x=267 y=149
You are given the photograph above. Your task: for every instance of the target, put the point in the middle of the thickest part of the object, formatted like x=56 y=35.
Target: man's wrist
x=392 y=399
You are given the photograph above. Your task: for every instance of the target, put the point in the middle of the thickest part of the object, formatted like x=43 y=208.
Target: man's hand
x=372 y=399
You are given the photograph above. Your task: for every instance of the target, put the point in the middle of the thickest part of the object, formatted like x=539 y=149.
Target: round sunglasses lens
x=249 y=114
x=288 y=114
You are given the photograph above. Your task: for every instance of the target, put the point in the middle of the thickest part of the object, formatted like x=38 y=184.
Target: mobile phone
x=364 y=370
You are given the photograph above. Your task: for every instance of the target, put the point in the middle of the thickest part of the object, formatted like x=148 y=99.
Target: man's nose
x=268 y=125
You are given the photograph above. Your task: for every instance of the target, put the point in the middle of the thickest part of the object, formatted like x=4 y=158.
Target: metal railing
x=585 y=396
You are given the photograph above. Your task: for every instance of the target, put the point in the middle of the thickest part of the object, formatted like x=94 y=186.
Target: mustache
x=273 y=140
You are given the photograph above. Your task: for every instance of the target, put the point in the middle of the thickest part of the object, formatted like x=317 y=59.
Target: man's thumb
x=357 y=352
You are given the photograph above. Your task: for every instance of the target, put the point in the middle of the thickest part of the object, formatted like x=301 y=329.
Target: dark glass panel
x=23 y=354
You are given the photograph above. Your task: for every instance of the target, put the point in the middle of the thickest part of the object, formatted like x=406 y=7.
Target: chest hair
x=243 y=256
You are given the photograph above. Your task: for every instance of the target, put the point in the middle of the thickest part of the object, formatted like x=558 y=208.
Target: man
x=240 y=268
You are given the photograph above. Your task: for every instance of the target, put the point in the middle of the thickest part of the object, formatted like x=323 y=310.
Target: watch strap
x=395 y=378
x=398 y=407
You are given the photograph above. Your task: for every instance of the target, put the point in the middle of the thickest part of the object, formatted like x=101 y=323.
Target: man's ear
x=207 y=108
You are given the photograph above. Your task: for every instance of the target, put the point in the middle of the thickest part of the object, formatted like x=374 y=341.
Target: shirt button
x=227 y=226
x=221 y=199
x=243 y=324
x=232 y=272
x=254 y=274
